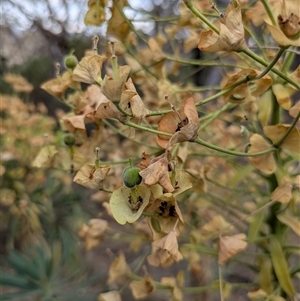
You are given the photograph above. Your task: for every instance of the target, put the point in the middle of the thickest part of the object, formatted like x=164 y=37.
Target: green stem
x=202 y=142
x=234 y=153
x=269 y=11
x=288 y=60
x=275 y=115
x=236 y=84
x=129 y=22
x=118 y=131
x=121 y=110
x=272 y=63
x=257 y=58
x=213 y=62
x=215 y=115
x=196 y=12
x=114 y=64
x=134 y=195
x=221 y=283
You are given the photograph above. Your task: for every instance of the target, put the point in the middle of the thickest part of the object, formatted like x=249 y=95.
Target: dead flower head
x=113 y=88
x=229 y=246
x=183 y=124
x=91 y=177
x=158 y=173
x=246 y=92
x=165 y=251
x=88 y=69
x=231 y=36
x=288 y=31
x=92 y=233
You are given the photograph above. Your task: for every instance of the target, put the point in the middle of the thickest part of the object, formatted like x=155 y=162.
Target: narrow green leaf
x=281 y=267
x=255 y=226
x=14 y=280
x=240 y=175
x=265 y=275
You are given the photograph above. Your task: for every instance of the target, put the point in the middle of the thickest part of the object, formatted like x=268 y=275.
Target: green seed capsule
x=71 y=61
x=131 y=177
x=69 y=139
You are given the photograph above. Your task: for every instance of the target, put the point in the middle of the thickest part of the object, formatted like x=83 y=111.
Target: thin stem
x=257 y=58
x=220 y=283
x=234 y=153
x=196 y=12
x=121 y=110
x=272 y=63
x=118 y=131
x=269 y=11
x=129 y=22
x=202 y=142
x=214 y=62
x=209 y=99
x=288 y=60
x=215 y=115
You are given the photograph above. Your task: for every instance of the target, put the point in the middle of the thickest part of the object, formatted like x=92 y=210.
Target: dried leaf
x=135 y=102
x=257 y=295
x=45 y=155
x=282 y=96
x=74 y=123
x=165 y=251
x=294 y=110
x=290 y=220
x=215 y=226
x=110 y=296
x=229 y=246
x=283 y=193
x=117 y=26
x=157 y=173
x=177 y=294
x=107 y=109
x=93 y=232
x=95 y=15
x=265 y=163
x=276 y=132
x=113 y=88
x=56 y=87
x=265 y=108
x=91 y=177
x=119 y=271
x=88 y=69
x=246 y=92
x=142 y=288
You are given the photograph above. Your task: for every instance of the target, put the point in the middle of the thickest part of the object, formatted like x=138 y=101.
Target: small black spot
x=172 y=211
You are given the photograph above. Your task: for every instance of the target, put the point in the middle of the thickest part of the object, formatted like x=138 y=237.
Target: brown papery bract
x=231 y=37
x=265 y=163
x=183 y=124
x=229 y=246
